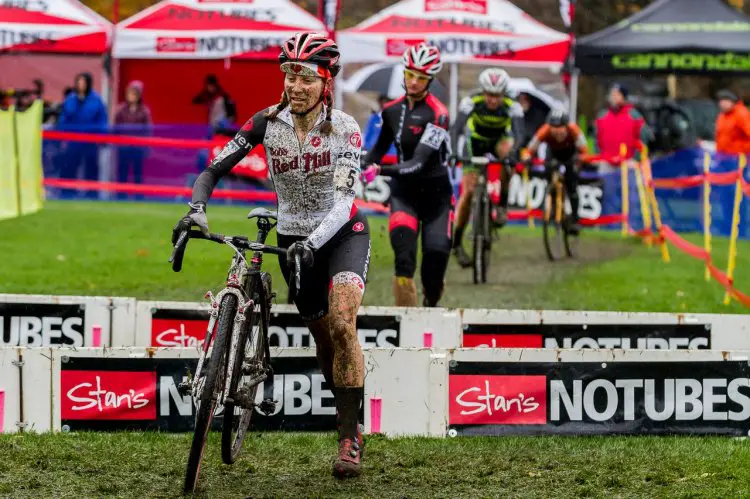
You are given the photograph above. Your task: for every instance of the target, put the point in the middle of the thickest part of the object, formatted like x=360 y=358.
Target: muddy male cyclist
x=421 y=191
x=313 y=157
x=567 y=144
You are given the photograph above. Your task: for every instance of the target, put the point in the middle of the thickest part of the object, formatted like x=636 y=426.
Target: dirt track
x=519 y=264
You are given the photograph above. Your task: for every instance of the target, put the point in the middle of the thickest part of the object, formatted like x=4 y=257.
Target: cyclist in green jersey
x=489 y=121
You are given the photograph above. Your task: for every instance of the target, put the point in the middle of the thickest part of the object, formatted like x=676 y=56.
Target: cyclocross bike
x=558 y=240
x=236 y=348
x=483 y=228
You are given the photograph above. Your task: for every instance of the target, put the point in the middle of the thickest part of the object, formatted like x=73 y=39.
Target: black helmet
x=314 y=48
x=557 y=117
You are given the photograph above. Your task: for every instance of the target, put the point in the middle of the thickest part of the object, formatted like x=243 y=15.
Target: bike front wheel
x=570 y=240
x=250 y=367
x=554 y=213
x=482 y=238
x=212 y=388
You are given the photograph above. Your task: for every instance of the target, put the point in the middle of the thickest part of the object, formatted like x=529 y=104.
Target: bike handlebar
x=240 y=241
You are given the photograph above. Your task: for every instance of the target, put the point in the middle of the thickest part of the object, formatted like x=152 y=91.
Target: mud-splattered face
x=303 y=91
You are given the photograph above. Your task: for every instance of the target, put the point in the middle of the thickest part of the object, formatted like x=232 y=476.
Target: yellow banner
x=8 y=166
x=29 y=130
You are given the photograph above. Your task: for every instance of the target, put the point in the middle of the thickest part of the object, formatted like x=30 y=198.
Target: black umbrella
x=386 y=79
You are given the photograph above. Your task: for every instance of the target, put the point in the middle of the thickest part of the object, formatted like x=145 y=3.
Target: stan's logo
x=487 y=399
x=279 y=151
x=355 y=139
x=174 y=44
x=177 y=333
x=397 y=46
x=108 y=395
x=472 y=6
x=502 y=340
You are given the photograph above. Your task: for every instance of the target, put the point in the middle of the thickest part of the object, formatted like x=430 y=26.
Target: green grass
x=121 y=249
x=298 y=465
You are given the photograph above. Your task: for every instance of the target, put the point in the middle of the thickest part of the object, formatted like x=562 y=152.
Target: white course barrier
x=136 y=388
x=175 y=324
x=41 y=320
x=31 y=320
x=626 y=330
x=430 y=392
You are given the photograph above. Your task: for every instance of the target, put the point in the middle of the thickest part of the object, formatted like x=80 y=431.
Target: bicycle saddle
x=262 y=213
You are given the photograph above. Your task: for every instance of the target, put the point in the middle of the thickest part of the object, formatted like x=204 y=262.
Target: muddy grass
x=519 y=267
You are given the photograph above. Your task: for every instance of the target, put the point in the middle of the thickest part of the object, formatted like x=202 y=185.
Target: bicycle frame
x=239 y=286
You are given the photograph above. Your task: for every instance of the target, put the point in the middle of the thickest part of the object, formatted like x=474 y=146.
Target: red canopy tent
x=174 y=44
x=51 y=40
x=466 y=31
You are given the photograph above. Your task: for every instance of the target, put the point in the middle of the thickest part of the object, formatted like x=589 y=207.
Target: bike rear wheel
x=251 y=351
x=482 y=244
x=554 y=212
x=211 y=391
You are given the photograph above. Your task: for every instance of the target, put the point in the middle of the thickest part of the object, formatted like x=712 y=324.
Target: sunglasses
x=411 y=75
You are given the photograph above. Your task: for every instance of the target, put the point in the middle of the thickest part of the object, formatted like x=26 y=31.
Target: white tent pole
x=454 y=91
x=573 y=95
x=338 y=91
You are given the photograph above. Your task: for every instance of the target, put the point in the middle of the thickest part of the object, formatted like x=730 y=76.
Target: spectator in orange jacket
x=732 y=125
x=619 y=124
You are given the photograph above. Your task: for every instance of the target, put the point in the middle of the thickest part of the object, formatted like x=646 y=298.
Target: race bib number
x=433 y=136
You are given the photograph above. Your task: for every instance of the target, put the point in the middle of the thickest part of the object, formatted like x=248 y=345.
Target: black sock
x=458 y=236
x=348 y=403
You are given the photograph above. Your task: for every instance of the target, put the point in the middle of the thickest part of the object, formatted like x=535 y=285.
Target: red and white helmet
x=311 y=54
x=423 y=58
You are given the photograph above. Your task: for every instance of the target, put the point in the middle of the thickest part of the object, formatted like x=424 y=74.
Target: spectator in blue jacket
x=372 y=129
x=82 y=111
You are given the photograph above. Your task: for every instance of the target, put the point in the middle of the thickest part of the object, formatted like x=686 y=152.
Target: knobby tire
x=552 y=228
x=212 y=389
x=249 y=346
x=482 y=238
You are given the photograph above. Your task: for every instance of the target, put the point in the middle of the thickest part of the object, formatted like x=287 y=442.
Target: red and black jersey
x=420 y=136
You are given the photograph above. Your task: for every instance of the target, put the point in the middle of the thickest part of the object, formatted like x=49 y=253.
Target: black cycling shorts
x=480 y=147
x=428 y=203
x=344 y=258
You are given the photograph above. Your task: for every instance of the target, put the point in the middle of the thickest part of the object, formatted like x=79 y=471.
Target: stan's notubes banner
x=595 y=398
x=141 y=394
x=625 y=336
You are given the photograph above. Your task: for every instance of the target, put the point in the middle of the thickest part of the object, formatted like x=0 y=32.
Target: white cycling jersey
x=314 y=181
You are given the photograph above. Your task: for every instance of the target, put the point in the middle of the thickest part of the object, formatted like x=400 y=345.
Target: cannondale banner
x=599 y=398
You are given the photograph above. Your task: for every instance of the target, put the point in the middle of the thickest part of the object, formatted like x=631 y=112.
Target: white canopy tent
x=466 y=31
x=52 y=26
x=52 y=40
x=198 y=29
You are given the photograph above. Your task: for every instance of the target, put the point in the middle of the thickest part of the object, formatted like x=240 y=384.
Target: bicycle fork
x=238 y=324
